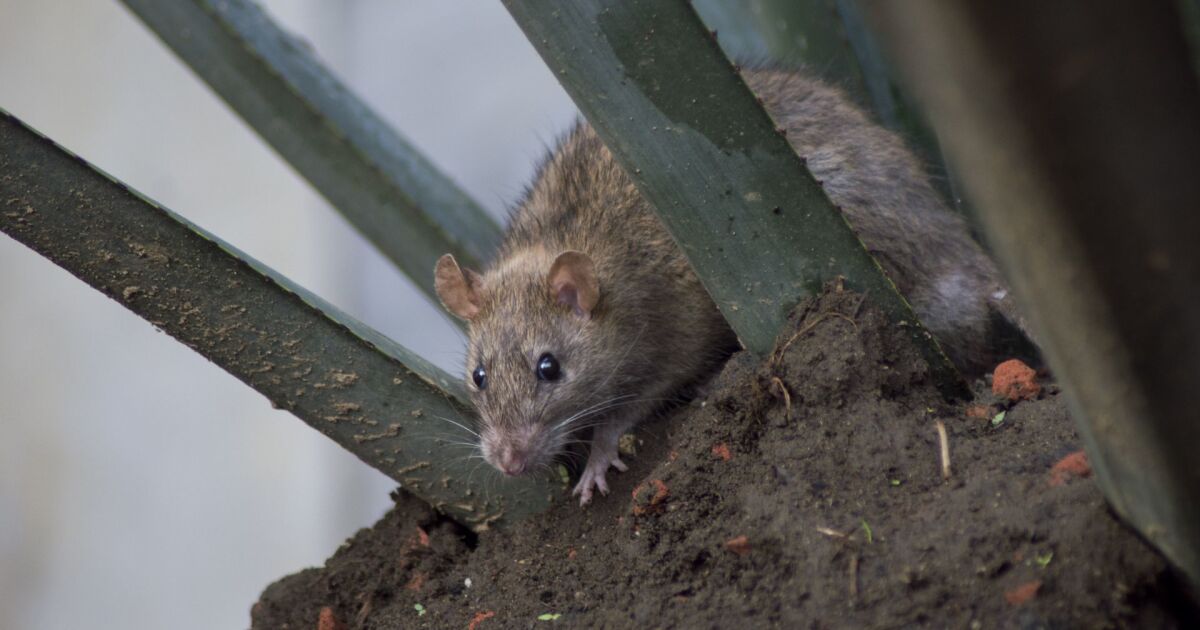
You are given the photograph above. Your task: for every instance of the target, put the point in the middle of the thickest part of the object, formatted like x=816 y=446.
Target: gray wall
x=140 y=486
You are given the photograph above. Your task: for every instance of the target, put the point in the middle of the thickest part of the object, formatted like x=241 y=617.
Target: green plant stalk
x=758 y=230
x=382 y=185
x=1078 y=135
x=380 y=401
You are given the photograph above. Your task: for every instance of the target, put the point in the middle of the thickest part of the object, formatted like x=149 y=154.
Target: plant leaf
x=757 y=228
x=383 y=186
x=1088 y=195
x=392 y=409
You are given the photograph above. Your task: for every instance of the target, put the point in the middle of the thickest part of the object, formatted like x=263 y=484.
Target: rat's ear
x=572 y=281
x=458 y=288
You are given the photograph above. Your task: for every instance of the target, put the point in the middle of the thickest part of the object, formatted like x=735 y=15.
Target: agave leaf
x=757 y=228
x=1078 y=135
x=383 y=186
x=394 y=410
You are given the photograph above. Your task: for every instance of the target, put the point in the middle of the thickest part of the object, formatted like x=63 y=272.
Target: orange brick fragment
x=571 y=553
x=419 y=539
x=415 y=584
x=1073 y=465
x=721 y=451
x=739 y=545
x=649 y=498
x=326 y=620
x=1015 y=381
x=479 y=618
x=979 y=411
x=1023 y=593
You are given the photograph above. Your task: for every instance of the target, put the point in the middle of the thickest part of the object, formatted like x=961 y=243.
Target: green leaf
x=867 y=530
x=1043 y=560
x=998 y=418
x=388 y=406
x=1088 y=192
x=383 y=186
x=420 y=610
x=564 y=475
x=549 y=616
x=757 y=228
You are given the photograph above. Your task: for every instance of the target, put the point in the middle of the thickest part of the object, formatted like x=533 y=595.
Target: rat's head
x=532 y=353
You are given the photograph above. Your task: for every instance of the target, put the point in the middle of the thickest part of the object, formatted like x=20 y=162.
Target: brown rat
x=591 y=317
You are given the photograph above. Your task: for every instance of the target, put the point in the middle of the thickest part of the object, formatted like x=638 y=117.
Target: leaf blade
x=372 y=396
x=379 y=182
x=675 y=113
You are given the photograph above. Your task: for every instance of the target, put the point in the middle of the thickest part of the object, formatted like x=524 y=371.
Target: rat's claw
x=593 y=477
x=589 y=480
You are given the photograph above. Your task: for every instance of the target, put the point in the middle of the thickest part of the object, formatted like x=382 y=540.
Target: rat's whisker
x=473 y=445
x=457 y=424
x=584 y=412
x=593 y=411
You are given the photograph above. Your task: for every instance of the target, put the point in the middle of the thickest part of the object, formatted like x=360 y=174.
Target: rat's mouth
x=511 y=461
x=517 y=452
x=512 y=467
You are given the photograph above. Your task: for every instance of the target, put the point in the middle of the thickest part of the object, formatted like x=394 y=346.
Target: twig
x=832 y=533
x=777 y=382
x=810 y=326
x=945 y=443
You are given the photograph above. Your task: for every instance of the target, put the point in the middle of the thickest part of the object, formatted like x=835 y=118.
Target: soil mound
x=806 y=490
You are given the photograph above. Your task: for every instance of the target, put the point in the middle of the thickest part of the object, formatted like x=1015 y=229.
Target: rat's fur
x=654 y=330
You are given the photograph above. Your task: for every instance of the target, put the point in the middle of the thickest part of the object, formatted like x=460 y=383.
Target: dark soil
x=828 y=512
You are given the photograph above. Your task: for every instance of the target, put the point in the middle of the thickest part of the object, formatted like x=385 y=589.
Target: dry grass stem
x=810 y=326
x=777 y=383
x=832 y=533
x=945 y=444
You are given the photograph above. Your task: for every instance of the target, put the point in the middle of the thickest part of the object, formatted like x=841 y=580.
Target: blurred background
x=141 y=486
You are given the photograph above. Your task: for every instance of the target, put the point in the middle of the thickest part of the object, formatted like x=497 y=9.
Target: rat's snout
x=513 y=452
x=512 y=462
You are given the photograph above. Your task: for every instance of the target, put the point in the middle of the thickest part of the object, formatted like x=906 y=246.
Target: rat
x=591 y=319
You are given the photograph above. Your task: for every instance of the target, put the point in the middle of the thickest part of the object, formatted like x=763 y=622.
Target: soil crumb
x=805 y=490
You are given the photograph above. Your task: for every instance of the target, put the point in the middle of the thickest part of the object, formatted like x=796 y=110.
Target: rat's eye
x=547 y=368
x=480 y=377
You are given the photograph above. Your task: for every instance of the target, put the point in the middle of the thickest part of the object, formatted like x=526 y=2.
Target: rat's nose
x=512 y=464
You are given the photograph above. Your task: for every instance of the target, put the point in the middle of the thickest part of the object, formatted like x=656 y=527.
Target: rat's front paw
x=593 y=476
